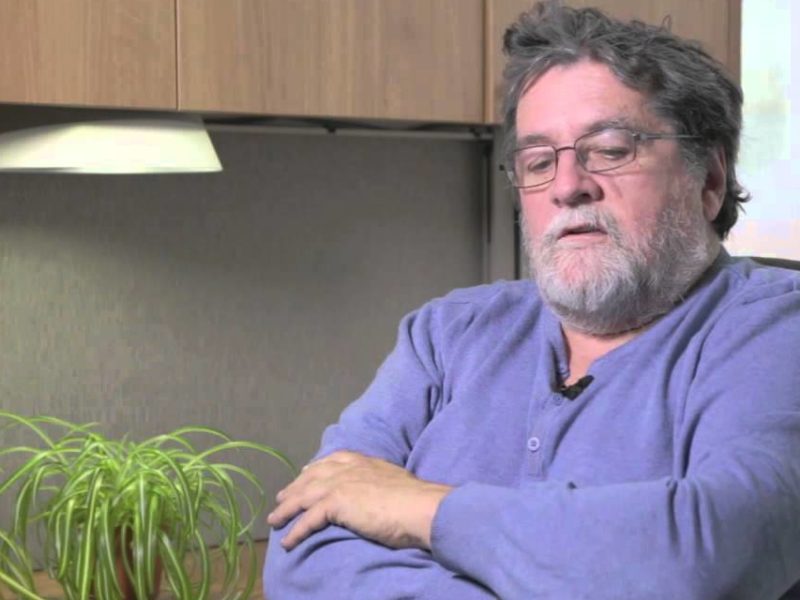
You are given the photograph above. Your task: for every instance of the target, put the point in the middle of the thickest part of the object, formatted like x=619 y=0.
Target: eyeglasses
x=597 y=152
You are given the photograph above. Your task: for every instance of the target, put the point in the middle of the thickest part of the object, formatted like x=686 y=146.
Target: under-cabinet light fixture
x=125 y=143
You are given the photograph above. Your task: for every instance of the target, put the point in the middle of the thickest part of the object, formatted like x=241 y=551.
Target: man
x=626 y=425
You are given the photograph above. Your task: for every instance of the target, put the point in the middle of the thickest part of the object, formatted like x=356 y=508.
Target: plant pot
x=125 y=583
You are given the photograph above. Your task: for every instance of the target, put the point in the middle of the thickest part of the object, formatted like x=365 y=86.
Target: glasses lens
x=606 y=149
x=534 y=165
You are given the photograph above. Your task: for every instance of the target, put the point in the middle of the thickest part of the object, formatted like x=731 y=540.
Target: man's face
x=597 y=239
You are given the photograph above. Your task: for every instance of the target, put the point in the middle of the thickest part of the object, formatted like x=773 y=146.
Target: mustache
x=581 y=217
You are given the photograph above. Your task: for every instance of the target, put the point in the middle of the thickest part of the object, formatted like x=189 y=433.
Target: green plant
x=88 y=498
x=15 y=568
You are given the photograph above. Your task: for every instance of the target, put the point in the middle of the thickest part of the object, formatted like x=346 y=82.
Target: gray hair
x=683 y=84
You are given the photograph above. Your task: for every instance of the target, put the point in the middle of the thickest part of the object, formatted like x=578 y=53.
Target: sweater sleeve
x=726 y=525
x=336 y=564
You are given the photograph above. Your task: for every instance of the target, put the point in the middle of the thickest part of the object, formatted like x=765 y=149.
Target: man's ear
x=715 y=185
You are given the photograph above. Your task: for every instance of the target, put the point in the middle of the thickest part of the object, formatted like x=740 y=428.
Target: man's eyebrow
x=533 y=139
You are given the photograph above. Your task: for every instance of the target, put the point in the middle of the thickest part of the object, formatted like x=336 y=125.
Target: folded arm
x=337 y=563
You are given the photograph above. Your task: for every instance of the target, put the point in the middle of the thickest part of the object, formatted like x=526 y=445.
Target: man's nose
x=573 y=184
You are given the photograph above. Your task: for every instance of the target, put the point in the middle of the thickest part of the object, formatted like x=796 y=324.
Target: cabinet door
x=116 y=53
x=714 y=23
x=380 y=59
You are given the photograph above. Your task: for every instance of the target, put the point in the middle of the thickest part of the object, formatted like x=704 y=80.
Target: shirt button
x=534 y=444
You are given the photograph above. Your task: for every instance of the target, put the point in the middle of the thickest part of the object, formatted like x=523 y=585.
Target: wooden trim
x=177 y=55
x=488 y=62
x=735 y=39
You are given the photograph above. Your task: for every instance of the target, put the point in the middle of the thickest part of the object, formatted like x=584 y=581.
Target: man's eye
x=539 y=164
x=610 y=153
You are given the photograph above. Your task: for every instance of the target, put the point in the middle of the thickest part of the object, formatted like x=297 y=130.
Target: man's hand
x=373 y=498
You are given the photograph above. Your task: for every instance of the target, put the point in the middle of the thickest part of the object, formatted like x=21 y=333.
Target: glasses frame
x=636 y=136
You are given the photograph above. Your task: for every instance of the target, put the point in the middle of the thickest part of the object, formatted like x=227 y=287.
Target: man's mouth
x=581 y=230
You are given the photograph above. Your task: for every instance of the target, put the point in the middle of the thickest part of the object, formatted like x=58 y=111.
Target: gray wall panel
x=260 y=300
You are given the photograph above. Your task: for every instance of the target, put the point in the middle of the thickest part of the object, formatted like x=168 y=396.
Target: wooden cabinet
x=714 y=23
x=115 y=53
x=414 y=60
x=420 y=60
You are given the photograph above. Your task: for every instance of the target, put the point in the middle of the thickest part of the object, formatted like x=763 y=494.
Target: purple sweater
x=674 y=475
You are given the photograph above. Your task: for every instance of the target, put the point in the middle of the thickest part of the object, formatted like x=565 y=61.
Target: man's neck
x=584 y=348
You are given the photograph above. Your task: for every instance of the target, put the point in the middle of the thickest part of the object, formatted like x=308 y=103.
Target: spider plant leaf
x=253 y=509
x=86 y=558
x=249 y=445
x=150 y=542
x=16 y=570
x=29 y=422
x=231 y=513
x=15 y=586
x=252 y=569
x=106 y=560
x=24 y=470
x=173 y=567
x=138 y=542
x=181 y=486
x=204 y=586
x=65 y=533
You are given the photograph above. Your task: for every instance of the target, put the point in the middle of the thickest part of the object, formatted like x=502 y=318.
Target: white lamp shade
x=131 y=144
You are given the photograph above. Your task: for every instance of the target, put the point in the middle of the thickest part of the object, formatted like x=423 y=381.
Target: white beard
x=621 y=284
